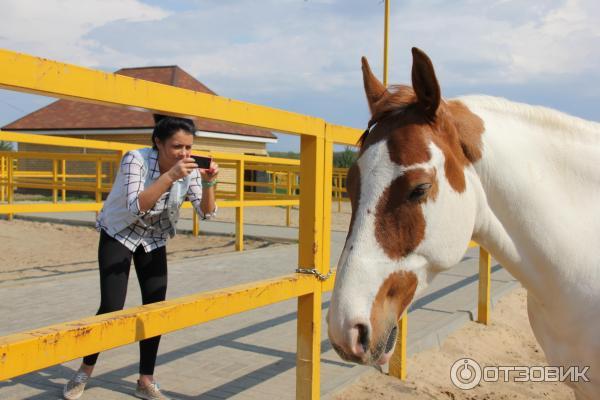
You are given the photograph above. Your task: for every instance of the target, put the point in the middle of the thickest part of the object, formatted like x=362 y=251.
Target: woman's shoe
x=149 y=392
x=74 y=388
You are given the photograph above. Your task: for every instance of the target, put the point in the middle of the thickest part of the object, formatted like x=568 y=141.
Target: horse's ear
x=373 y=88
x=425 y=84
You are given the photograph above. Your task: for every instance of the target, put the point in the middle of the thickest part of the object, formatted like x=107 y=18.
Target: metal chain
x=314 y=272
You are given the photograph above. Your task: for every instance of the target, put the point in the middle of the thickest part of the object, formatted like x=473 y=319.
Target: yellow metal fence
x=57 y=179
x=280 y=181
x=28 y=351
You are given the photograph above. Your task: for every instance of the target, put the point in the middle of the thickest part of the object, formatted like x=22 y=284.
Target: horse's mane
x=395 y=99
x=399 y=97
x=552 y=120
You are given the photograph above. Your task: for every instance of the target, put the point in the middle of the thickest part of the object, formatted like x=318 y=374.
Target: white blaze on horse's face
x=413 y=213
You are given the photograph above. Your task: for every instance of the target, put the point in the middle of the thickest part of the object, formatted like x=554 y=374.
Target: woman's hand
x=210 y=174
x=208 y=204
x=182 y=168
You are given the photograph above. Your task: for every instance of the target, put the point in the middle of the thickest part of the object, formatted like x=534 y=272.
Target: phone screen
x=203 y=162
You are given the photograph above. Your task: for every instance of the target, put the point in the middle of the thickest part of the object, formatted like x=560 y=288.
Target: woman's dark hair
x=166 y=126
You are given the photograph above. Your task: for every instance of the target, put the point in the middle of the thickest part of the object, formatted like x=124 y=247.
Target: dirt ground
x=277 y=216
x=39 y=249
x=507 y=341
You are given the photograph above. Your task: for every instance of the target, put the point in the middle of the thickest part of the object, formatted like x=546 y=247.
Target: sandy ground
x=277 y=216
x=507 y=341
x=38 y=249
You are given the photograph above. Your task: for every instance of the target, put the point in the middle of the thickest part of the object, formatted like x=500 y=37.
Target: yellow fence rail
x=29 y=351
x=282 y=180
x=56 y=178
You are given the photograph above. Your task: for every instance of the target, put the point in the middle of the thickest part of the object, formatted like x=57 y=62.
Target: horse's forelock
x=398 y=96
x=396 y=99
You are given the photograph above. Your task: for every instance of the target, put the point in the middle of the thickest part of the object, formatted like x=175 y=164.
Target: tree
x=6 y=146
x=344 y=159
x=283 y=154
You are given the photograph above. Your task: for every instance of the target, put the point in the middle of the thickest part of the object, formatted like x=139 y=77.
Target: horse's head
x=413 y=209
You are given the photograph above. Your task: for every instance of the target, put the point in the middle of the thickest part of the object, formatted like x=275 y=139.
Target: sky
x=304 y=55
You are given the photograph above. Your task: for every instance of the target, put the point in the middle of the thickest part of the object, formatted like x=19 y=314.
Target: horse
x=432 y=174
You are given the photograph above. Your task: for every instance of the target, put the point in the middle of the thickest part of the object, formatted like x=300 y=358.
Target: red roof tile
x=68 y=114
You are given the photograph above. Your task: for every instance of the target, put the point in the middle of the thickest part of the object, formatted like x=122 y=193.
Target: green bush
x=344 y=159
x=341 y=159
x=6 y=146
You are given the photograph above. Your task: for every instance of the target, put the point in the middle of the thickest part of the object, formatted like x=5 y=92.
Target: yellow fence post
x=195 y=224
x=98 y=183
x=485 y=266
x=63 y=170
x=288 y=214
x=239 y=211
x=2 y=179
x=54 y=181
x=339 y=192
x=10 y=180
x=111 y=172
x=310 y=250
x=327 y=198
x=398 y=360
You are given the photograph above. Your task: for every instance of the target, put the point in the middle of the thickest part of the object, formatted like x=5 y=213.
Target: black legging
x=151 y=269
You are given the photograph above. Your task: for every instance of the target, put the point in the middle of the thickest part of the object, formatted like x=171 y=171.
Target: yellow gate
x=29 y=351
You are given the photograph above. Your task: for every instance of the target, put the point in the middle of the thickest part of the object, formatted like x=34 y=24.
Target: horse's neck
x=540 y=213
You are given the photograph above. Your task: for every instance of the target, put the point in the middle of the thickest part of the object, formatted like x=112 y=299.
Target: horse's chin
x=387 y=347
x=385 y=358
x=375 y=357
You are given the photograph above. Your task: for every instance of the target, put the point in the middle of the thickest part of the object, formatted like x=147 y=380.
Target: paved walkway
x=246 y=356
x=185 y=224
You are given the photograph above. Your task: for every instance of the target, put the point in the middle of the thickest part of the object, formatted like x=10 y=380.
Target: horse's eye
x=419 y=192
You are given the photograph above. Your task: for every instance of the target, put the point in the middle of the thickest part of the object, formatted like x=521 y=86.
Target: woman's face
x=175 y=148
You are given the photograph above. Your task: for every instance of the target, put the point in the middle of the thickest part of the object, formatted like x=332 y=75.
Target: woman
x=138 y=217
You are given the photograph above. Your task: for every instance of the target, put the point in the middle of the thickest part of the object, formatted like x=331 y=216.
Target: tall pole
x=397 y=366
x=385 y=42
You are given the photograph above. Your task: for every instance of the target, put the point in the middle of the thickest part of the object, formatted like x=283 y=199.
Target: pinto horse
x=432 y=174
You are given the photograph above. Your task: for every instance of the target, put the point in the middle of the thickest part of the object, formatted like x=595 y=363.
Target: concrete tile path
x=245 y=356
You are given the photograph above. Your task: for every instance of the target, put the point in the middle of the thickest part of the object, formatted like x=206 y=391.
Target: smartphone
x=203 y=162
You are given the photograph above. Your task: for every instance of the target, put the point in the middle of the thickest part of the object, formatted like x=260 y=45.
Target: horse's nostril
x=363 y=336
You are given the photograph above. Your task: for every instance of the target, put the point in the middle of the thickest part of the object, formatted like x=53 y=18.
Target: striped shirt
x=153 y=227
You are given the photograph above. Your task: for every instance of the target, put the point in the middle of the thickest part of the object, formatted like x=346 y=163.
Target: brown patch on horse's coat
x=409 y=147
x=469 y=128
x=458 y=134
x=435 y=187
x=394 y=295
x=399 y=221
x=454 y=160
x=353 y=189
